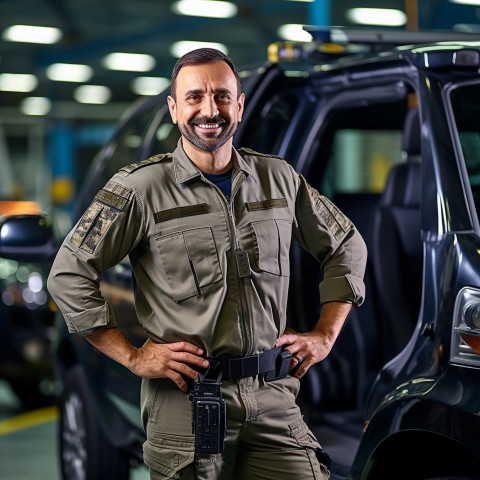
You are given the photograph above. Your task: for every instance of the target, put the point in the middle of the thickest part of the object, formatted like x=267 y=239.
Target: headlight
x=466 y=328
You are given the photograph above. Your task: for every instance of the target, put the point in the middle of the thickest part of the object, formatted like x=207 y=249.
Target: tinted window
x=466 y=108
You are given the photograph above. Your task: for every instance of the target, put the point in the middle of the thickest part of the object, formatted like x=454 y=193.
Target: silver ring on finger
x=298 y=357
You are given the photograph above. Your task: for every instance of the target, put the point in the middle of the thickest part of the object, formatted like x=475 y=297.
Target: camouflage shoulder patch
x=92 y=226
x=114 y=195
x=100 y=215
x=249 y=151
x=128 y=169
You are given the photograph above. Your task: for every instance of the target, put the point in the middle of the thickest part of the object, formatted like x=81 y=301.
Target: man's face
x=206 y=109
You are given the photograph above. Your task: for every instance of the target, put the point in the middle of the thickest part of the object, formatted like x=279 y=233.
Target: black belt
x=273 y=363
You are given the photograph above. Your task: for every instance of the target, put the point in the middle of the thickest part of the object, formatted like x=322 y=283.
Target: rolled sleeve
x=99 y=241
x=349 y=289
x=86 y=322
x=330 y=236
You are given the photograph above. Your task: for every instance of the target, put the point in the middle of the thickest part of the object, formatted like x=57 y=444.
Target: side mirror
x=27 y=238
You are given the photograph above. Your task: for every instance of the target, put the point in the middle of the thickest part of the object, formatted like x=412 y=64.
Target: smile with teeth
x=208 y=125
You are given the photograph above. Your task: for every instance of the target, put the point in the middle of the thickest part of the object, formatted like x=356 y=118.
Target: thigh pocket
x=305 y=438
x=168 y=454
x=302 y=434
x=272 y=240
x=190 y=261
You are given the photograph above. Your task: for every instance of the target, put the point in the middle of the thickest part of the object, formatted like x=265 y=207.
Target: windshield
x=466 y=109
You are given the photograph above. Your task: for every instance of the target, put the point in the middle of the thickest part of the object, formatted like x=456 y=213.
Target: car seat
x=397 y=246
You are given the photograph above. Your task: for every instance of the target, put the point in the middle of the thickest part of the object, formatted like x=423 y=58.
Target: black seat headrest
x=403 y=185
x=411 y=133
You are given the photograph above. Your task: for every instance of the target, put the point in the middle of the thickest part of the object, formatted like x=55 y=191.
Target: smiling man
x=207 y=108
x=208 y=231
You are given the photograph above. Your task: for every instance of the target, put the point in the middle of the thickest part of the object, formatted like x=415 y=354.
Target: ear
x=240 y=104
x=172 y=106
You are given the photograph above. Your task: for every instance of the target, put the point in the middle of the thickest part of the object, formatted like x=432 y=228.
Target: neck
x=218 y=161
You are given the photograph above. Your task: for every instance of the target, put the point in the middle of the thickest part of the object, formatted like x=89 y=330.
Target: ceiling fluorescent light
x=18 y=82
x=377 y=16
x=35 y=106
x=32 y=34
x=149 y=85
x=466 y=2
x=178 y=49
x=97 y=94
x=69 y=72
x=205 y=8
x=294 y=33
x=129 y=62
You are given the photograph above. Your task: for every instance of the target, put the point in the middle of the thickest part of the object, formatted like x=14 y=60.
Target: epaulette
x=128 y=169
x=249 y=151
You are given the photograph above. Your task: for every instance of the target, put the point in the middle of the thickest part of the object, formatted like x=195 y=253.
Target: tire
x=85 y=452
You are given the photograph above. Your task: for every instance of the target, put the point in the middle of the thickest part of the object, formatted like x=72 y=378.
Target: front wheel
x=85 y=452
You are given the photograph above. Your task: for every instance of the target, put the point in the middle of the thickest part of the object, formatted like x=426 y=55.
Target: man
x=208 y=232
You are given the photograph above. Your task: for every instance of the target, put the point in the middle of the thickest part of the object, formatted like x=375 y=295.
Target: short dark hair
x=199 y=56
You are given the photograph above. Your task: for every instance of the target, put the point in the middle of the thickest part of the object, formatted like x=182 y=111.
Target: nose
x=209 y=107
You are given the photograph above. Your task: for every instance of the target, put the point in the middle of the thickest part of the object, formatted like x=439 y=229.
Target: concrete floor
x=28 y=449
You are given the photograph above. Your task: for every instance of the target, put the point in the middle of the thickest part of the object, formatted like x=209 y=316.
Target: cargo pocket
x=305 y=439
x=272 y=240
x=190 y=261
x=168 y=454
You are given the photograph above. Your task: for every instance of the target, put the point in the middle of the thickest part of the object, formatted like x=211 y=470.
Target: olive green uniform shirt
x=183 y=238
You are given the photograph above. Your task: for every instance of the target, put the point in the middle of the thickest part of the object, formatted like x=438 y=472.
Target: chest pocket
x=272 y=240
x=190 y=261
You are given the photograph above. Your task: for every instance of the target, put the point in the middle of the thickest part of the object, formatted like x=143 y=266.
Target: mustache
x=216 y=119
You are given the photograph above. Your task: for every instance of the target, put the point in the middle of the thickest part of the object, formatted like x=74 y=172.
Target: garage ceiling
x=94 y=28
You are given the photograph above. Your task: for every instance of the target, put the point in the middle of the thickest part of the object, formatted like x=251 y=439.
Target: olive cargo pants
x=266 y=435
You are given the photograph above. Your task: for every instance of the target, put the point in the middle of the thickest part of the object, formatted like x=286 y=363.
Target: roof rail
x=349 y=36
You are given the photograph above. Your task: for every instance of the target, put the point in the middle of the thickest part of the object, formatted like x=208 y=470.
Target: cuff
x=84 y=323
x=347 y=288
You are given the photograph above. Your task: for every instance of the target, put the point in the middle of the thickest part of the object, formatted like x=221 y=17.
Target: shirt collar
x=185 y=169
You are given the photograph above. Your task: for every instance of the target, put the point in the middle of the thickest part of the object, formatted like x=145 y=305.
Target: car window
x=466 y=109
x=360 y=160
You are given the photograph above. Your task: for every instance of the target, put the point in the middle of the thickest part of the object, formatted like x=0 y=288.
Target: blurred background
x=70 y=68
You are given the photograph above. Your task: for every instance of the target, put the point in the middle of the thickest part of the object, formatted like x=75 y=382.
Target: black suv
x=391 y=134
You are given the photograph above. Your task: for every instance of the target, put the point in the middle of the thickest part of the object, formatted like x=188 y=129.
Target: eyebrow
x=197 y=91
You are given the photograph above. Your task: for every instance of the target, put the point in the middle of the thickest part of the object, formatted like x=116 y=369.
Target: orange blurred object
x=10 y=207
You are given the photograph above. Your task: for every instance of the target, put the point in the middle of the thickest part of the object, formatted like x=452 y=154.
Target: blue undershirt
x=222 y=180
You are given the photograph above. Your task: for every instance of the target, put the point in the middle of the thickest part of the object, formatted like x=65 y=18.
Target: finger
x=301 y=370
x=184 y=370
x=285 y=340
x=178 y=379
x=190 y=359
x=185 y=347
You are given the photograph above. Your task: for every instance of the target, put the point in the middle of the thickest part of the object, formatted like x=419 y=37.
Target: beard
x=208 y=142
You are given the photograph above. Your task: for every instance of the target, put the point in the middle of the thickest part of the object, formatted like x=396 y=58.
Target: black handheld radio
x=208 y=412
